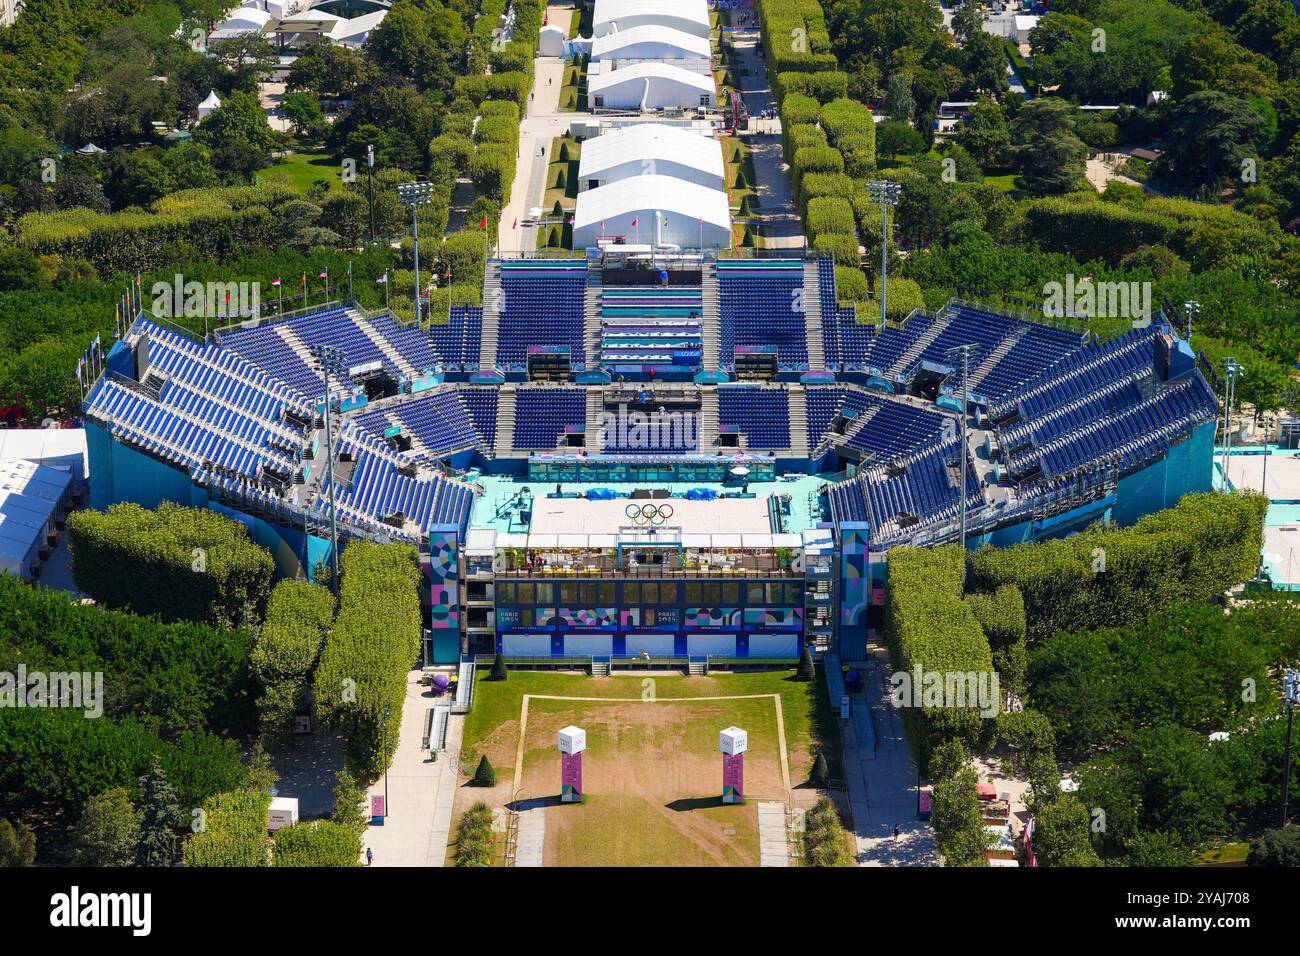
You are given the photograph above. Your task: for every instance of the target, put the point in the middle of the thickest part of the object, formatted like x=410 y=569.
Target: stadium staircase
x=591 y=313
x=908 y=358
x=296 y=345
x=491 y=318
x=997 y=355
x=812 y=315
x=798 y=397
x=418 y=447
x=505 y=447
x=697 y=666
x=708 y=416
x=373 y=334
x=712 y=315
x=859 y=424
x=595 y=437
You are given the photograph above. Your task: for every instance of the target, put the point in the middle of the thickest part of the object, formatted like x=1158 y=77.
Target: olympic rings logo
x=643 y=515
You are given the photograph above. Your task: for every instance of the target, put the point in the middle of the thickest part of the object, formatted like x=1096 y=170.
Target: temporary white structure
x=655 y=149
x=653 y=210
x=32 y=497
x=689 y=16
x=650 y=86
x=651 y=43
x=210 y=104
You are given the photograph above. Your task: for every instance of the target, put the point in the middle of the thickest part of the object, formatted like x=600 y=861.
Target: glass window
x=793 y=593
x=545 y=593
x=587 y=594
x=693 y=593
x=648 y=617
x=731 y=593
x=755 y=595
x=650 y=592
x=526 y=617
x=632 y=593
x=773 y=592
x=668 y=593
x=569 y=592
x=506 y=592
x=527 y=593
x=713 y=594
x=606 y=593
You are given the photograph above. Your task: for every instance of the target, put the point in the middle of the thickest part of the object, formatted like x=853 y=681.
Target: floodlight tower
x=883 y=193
x=1291 y=693
x=964 y=352
x=329 y=358
x=370 y=188
x=1232 y=371
x=1190 y=308
x=415 y=195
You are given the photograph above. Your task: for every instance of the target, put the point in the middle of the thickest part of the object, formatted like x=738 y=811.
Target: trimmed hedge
x=234 y=831
x=929 y=627
x=829 y=215
x=183 y=564
x=1107 y=576
x=843 y=249
x=374 y=644
x=298 y=616
x=318 y=843
x=815 y=185
x=474 y=836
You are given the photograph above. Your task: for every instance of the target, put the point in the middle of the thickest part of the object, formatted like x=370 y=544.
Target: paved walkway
x=773 y=837
x=420 y=791
x=771 y=171
x=882 y=781
x=530 y=839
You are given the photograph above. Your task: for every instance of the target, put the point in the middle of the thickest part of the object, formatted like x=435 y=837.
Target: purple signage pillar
x=733 y=778
x=571 y=778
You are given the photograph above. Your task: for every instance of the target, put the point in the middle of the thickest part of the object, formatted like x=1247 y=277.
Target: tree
x=349 y=803
x=485 y=775
x=986 y=135
x=807 y=670
x=967 y=21
x=499 y=671
x=303 y=111
x=119 y=110
x=1061 y=833
x=17 y=844
x=957 y=818
x=161 y=820
x=1211 y=134
x=1275 y=848
x=1054 y=164
x=986 y=63
x=821 y=771
x=109 y=831
x=899 y=102
x=239 y=119
x=249 y=56
x=893 y=138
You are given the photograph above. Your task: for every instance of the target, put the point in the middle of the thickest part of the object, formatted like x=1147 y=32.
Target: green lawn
x=301 y=170
x=1227 y=853
x=809 y=722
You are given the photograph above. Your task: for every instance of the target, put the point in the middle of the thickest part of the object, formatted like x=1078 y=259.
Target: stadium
x=670 y=457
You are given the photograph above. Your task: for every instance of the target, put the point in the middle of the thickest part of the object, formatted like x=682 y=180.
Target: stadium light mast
x=1232 y=370
x=883 y=193
x=330 y=359
x=1191 y=308
x=370 y=187
x=416 y=195
x=964 y=352
x=1291 y=693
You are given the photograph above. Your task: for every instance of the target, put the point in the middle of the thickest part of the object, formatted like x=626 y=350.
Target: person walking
x=370 y=854
x=895 y=832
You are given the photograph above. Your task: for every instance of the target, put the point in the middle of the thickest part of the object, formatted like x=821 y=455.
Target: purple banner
x=571 y=777
x=733 y=778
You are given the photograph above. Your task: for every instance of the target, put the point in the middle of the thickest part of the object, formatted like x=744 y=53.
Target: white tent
x=658 y=210
x=650 y=86
x=550 y=42
x=32 y=496
x=689 y=16
x=651 y=43
x=242 y=20
x=651 y=148
x=210 y=104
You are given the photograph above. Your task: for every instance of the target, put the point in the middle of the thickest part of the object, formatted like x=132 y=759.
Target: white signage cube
x=733 y=741
x=573 y=740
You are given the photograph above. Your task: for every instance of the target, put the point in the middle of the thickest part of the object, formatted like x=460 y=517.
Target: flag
x=275 y=282
x=516 y=225
x=633 y=223
x=382 y=280
x=448 y=272
x=482 y=223
x=324 y=275
x=304 y=280
x=569 y=221
x=80 y=363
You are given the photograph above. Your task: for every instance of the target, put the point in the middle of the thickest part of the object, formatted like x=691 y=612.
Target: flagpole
x=386 y=309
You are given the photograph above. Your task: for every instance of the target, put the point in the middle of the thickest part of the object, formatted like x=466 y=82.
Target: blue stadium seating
x=543 y=414
x=762 y=414
x=438 y=420
x=542 y=303
x=757 y=301
x=458 y=341
x=482 y=405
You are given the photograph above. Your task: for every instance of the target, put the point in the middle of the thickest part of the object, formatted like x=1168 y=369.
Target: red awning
x=987 y=791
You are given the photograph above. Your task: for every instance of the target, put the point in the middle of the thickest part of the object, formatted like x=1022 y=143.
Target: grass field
x=301 y=170
x=652 y=771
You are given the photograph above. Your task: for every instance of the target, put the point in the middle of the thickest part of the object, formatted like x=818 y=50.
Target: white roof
x=612 y=11
x=666 y=194
x=29 y=495
x=345 y=29
x=650 y=141
x=211 y=101
x=1026 y=21
x=692 y=47
x=59 y=447
x=243 y=20
x=599 y=82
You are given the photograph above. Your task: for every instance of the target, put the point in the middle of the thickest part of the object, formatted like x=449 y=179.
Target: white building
x=211 y=103
x=9 y=10
x=651 y=149
x=648 y=86
x=653 y=210
x=688 y=16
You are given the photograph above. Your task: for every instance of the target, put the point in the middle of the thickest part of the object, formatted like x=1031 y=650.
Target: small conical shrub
x=554 y=240
x=560 y=179
x=742 y=181
x=821 y=771
x=746 y=207
x=485 y=775
x=557 y=209
x=738 y=156
x=499 y=671
x=748 y=240
x=806 y=670
x=564 y=152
